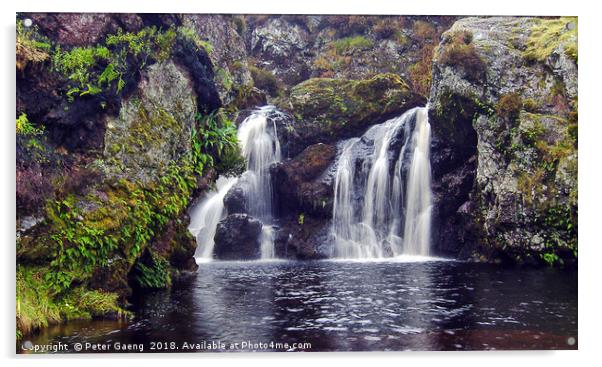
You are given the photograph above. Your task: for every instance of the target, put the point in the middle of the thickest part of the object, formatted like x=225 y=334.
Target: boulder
x=300 y=184
x=326 y=110
x=236 y=200
x=237 y=238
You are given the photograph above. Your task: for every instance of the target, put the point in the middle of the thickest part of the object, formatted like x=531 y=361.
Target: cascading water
x=373 y=190
x=205 y=216
x=260 y=147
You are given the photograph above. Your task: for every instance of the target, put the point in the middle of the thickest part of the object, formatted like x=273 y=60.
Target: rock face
x=105 y=162
x=296 y=48
x=326 y=110
x=284 y=44
x=228 y=56
x=503 y=113
x=153 y=125
x=81 y=29
x=237 y=238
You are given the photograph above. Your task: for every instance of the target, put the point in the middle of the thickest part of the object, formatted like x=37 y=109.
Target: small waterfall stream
x=260 y=147
x=205 y=216
x=382 y=185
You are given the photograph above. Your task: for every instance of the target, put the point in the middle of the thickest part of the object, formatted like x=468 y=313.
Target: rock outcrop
x=327 y=110
x=503 y=110
x=238 y=238
x=300 y=183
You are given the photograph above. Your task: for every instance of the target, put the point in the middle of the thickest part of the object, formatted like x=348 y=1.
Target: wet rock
x=304 y=238
x=237 y=238
x=176 y=244
x=327 y=110
x=299 y=184
x=236 y=200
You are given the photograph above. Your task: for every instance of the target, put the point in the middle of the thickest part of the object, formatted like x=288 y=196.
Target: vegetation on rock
x=334 y=104
x=549 y=35
x=460 y=53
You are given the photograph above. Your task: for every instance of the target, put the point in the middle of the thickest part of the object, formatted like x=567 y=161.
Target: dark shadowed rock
x=237 y=238
x=235 y=200
x=80 y=29
x=304 y=238
x=298 y=182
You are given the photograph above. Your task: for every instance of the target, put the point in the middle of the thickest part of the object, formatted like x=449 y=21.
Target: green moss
x=349 y=45
x=336 y=103
x=548 y=35
x=224 y=78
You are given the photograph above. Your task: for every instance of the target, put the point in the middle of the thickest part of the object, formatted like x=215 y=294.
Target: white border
x=589 y=163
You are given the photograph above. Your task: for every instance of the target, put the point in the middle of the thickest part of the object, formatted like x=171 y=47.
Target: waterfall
x=382 y=184
x=205 y=216
x=417 y=229
x=260 y=146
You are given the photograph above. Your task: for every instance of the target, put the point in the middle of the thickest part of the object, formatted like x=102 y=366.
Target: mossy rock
x=350 y=102
x=327 y=109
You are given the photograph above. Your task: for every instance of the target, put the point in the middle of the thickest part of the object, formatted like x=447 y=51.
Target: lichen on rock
x=515 y=119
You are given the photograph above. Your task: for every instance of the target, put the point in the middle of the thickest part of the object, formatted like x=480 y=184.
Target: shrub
x=424 y=31
x=347 y=25
x=421 y=72
x=30 y=46
x=264 y=80
x=509 y=106
x=460 y=52
x=387 y=28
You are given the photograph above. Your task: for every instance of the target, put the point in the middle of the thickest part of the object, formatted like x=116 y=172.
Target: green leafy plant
x=213 y=136
x=152 y=272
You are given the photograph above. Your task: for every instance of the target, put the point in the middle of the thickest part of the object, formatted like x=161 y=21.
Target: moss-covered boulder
x=330 y=109
x=503 y=111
